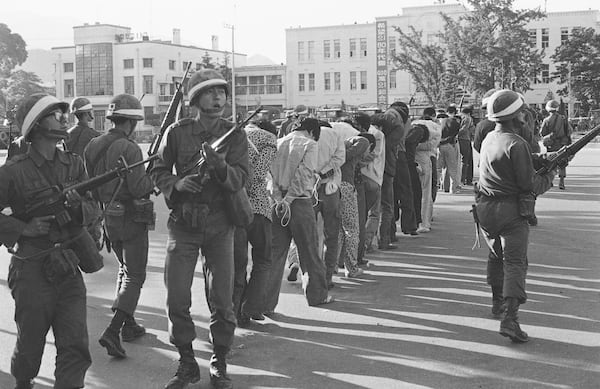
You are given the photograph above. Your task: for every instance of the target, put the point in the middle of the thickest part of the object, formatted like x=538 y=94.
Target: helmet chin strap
x=212 y=112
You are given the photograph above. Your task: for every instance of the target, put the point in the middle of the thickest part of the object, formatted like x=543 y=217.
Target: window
x=311 y=82
x=392 y=79
x=300 y=82
x=352 y=47
x=163 y=93
x=363 y=80
x=363 y=47
x=99 y=119
x=171 y=64
x=94 y=69
x=311 y=50
x=128 y=63
x=326 y=49
x=148 y=80
x=533 y=37
x=545 y=38
x=337 y=81
x=327 y=81
x=241 y=85
x=256 y=85
x=128 y=83
x=184 y=65
x=300 y=51
x=147 y=62
x=274 y=84
x=336 y=48
x=392 y=44
x=352 y=80
x=564 y=35
x=69 y=88
x=545 y=73
x=68 y=67
x=148 y=111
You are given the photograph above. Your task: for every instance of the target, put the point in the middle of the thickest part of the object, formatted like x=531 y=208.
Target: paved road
x=419 y=318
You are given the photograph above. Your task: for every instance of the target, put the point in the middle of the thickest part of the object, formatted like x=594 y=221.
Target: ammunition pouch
x=527 y=205
x=59 y=265
x=84 y=247
x=143 y=212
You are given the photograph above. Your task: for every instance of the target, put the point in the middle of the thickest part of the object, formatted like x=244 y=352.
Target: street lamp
x=233 y=104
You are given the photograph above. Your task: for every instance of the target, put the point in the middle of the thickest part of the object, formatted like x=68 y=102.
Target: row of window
x=545 y=35
x=357 y=48
x=147 y=85
x=259 y=85
x=357 y=81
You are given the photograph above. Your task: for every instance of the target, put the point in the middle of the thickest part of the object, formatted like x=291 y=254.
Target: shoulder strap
x=104 y=149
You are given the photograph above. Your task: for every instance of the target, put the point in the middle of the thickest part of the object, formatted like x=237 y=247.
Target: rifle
x=51 y=199
x=218 y=145
x=562 y=156
x=170 y=116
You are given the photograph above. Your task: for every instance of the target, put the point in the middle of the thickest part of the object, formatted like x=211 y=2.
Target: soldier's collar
x=39 y=159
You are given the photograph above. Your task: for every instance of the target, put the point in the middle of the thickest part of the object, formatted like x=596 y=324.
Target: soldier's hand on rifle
x=189 y=184
x=73 y=199
x=38 y=226
x=213 y=159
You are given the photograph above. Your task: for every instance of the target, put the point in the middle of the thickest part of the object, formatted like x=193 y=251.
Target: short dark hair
x=363 y=120
x=266 y=125
x=429 y=111
x=451 y=109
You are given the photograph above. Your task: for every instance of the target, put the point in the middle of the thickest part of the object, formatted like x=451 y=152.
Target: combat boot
x=218 y=369
x=509 y=326
x=24 y=384
x=132 y=330
x=110 y=340
x=188 y=372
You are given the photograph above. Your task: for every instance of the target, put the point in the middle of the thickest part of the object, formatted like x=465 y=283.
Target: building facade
x=107 y=60
x=261 y=85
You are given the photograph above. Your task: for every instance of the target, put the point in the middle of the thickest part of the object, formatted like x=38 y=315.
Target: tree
x=424 y=62
x=578 y=67
x=19 y=85
x=12 y=50
x=491 y=46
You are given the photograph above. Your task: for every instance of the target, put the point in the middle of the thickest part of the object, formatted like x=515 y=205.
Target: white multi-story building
x=108 y=60
x=260 y=85
x=326 y=65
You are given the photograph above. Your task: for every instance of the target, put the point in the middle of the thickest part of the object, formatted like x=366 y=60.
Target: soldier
x=199 y=220
x=505 y=199
x=128 y=213
x=81 y=133
x=43 y=276
x=556 y=133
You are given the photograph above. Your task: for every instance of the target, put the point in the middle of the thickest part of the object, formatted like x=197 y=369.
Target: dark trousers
x=329 y=206
x=129 y=242
x=303 y=228
x=434 y=178
x=39 y=306
x=183 y=247
x=403 y=194
x=387 y=209
x=367 y=193
x=466 y=152
x=249 y=296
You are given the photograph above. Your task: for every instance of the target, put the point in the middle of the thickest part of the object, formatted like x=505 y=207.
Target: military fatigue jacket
x=79 y=137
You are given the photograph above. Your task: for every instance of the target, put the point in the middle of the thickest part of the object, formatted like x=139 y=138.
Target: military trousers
x=129 y=242
x=41 y=306
x=506 y=234
x=183 y=246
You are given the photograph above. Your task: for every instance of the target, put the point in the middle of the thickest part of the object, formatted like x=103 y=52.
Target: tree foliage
x=424 y=62
x=12 y=50
x=578 y=64
x=20 y=84
x=491 y=46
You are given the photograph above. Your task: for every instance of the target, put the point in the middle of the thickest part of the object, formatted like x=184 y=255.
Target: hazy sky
x=259 y=24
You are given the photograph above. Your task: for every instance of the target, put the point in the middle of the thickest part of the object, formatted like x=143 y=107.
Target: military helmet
x=125 y=106
x=552 y=105
x=33 y=108
x=203 y=79
x=301 y=110
x=486 y=97
x=504 y=105
x=81 y=105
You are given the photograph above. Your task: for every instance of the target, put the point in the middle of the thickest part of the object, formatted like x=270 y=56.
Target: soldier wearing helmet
x=81 y=133
x=44 y=279
x=199 y=220
x=556 y=133
x=506 y=194
x=128 y=212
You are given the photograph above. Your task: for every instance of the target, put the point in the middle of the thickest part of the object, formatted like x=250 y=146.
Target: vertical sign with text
x=382 y=64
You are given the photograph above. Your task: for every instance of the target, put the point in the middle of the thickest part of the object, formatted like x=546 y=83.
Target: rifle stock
x=566 y=152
